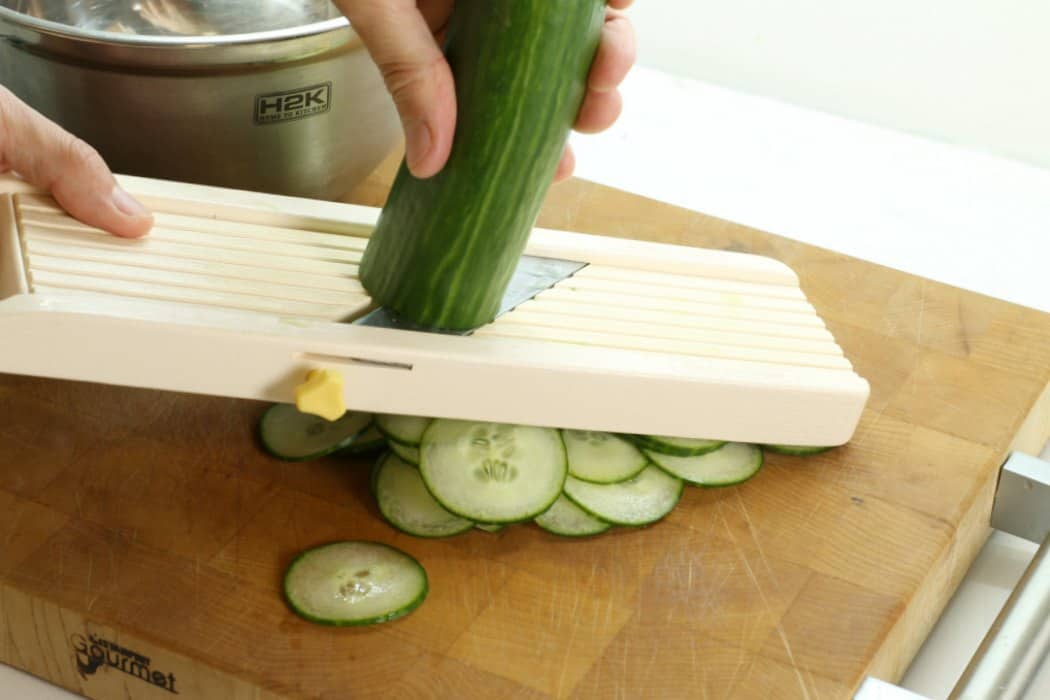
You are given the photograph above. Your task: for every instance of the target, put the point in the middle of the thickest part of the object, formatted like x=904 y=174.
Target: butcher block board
x=149 y=528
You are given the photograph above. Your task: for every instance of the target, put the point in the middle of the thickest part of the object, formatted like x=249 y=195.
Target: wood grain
x=152 y=521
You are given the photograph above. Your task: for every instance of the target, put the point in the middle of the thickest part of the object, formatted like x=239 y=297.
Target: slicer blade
x=533 y=275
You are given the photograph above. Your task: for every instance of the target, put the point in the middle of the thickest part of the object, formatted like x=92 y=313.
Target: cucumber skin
x=403 y=451
x=577 y=536
x=710 y=485
x=373 y=487
x=364 y=448
x=389 y=617
x=445 y=248
x=678 y=499
x=277 y=454
x=681 y=491
x=394 y=438
x=646 y=442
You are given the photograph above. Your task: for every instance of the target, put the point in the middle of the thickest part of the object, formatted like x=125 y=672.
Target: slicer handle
x=1018 y=642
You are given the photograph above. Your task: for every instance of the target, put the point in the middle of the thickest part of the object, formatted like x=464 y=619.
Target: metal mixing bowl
x=268 y=95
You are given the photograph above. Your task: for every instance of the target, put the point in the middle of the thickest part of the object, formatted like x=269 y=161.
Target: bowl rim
x=201 y=41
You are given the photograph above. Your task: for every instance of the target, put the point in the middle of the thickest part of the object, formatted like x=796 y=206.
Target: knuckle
x=405 y=78
x=79 y=153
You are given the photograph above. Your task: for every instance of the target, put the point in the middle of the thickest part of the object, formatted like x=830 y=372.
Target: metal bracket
x=1019 y=640
x=1022 y=499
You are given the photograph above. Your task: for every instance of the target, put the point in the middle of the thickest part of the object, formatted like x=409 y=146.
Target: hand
x=400 y=36
x=72 y=171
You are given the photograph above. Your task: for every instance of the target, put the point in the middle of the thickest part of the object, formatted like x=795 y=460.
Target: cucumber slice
x=640 y=500
x=493 y=529
x=404 y=501
x=735 y=463
x=601 y=458
x=797 y=450
x=668 y=445
x=493 y=472
x=289 y=434
x=408 y=430
x=354 y=583
x=405 y=452
x=368 y=441
x=567 y=519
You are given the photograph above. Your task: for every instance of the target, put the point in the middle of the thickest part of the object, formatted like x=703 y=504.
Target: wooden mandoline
x=240 y=294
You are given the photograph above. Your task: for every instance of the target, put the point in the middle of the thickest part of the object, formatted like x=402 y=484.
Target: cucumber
x=404 y=501
x=409 y=454
x=444 y=249
x=641 y=500
x=734 y=463
x=492 y=472
x=354 y=583
x=368 y=441
x=797 y=450
x=492 y=529
x=668 y=445
x=289 y=434
x=601 y=458
x=567 y=519
x=408 y=430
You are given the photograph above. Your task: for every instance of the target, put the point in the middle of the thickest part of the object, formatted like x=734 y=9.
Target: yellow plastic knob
x=321 y=394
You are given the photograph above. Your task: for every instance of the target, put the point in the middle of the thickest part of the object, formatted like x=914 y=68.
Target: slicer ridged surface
x=196 y=260
x=614 y=307
x=299 y=272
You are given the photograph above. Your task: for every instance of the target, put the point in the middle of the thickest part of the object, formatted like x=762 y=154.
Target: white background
x=970 y=72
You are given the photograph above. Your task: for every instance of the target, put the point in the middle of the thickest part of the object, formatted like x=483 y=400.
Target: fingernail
x=127 y=204
x=417 y=143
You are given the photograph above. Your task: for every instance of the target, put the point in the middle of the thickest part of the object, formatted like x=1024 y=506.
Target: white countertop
x=960 y=217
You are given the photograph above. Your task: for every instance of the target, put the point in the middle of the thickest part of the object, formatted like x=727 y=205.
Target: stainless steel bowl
x=268 y=95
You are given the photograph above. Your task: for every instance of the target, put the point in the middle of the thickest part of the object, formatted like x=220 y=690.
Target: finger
x=436 y=13
x=566 y=165
x=418 y=77
x=52 y=159
x=620 y=4
x=599 y=111
x=616 y=54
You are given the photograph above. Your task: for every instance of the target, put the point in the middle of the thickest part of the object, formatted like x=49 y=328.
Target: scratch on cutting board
x=754 y=536
x=780 y=632
x=740 y=658
x=568 y=647
x=762 y=593
x=13 y=527
x=922 y=312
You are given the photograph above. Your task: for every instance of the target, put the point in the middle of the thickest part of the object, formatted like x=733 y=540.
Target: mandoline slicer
x=240 y=294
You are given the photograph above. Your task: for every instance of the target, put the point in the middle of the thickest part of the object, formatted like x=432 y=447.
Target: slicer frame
x=506 y=373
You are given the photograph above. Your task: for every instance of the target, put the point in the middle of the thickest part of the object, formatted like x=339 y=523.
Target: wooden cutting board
x=144 y=534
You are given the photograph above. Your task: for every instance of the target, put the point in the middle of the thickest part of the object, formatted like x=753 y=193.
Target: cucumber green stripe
x=445 y=248
x=467 y=241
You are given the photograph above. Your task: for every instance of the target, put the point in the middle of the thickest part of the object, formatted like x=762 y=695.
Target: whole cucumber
x=445 y=247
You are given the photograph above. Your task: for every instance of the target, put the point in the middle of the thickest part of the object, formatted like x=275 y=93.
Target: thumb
x=52 y=159
x=416 y=74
